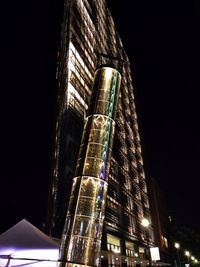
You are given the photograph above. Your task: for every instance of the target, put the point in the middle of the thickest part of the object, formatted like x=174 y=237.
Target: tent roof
x=24 y=235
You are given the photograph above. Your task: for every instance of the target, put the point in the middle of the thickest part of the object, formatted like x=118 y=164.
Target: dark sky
x=162 y=41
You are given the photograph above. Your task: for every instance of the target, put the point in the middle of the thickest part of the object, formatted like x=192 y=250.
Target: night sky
x=162 y=42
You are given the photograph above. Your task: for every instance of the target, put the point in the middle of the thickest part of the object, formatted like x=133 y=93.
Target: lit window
x=165 y=242
x=72 y=92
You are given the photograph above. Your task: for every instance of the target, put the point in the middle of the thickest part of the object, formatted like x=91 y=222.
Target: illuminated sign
x=155 y=255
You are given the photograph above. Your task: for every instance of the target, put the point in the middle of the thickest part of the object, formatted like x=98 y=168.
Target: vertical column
x=81 y=239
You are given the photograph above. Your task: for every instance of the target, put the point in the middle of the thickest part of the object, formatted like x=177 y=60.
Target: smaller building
x=160 y=219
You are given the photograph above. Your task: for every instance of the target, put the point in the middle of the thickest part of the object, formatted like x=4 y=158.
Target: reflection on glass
x=96 y=167
x=92 y=187
x=84 y=250
x=83 y=225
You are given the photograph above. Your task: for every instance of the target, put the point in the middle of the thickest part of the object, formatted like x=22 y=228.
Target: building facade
x=89 y=39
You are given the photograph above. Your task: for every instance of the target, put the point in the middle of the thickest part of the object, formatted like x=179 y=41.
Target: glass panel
x=93 y=252
x=82 y=226
x=100 y=135
x=103 y=107
x=96 y=231
x=84 y=250
x=98 y=151
x=77 y=249
x=96 y=167
x=104 y=94
x=87 y=227
x=85 y=207
x=95 y=150
x=91 y=207
x=91 y=187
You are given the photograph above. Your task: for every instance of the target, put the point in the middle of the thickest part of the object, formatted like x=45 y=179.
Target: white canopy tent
x=25 y=245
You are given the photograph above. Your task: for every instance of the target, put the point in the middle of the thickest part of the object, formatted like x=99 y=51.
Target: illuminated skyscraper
x=89 y=39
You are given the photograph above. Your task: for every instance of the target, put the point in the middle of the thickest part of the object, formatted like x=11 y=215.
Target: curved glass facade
x=81 y=239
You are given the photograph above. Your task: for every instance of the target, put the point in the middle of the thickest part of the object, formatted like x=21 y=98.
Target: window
x=113 y=244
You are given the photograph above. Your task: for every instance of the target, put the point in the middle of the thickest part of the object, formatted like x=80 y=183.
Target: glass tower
x=89 y=39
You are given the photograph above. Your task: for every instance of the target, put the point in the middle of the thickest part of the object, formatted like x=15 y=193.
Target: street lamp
x=187 y=253
x=145 y=223
x=177 y=246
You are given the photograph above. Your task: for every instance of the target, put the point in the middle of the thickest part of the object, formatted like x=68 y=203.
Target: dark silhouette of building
x=89 y=39
x=160 y=220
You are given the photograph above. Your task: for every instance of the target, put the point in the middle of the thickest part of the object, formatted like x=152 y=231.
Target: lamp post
x=187 y=253
x=145 y=223
x=177 y=246
x=192 y=258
